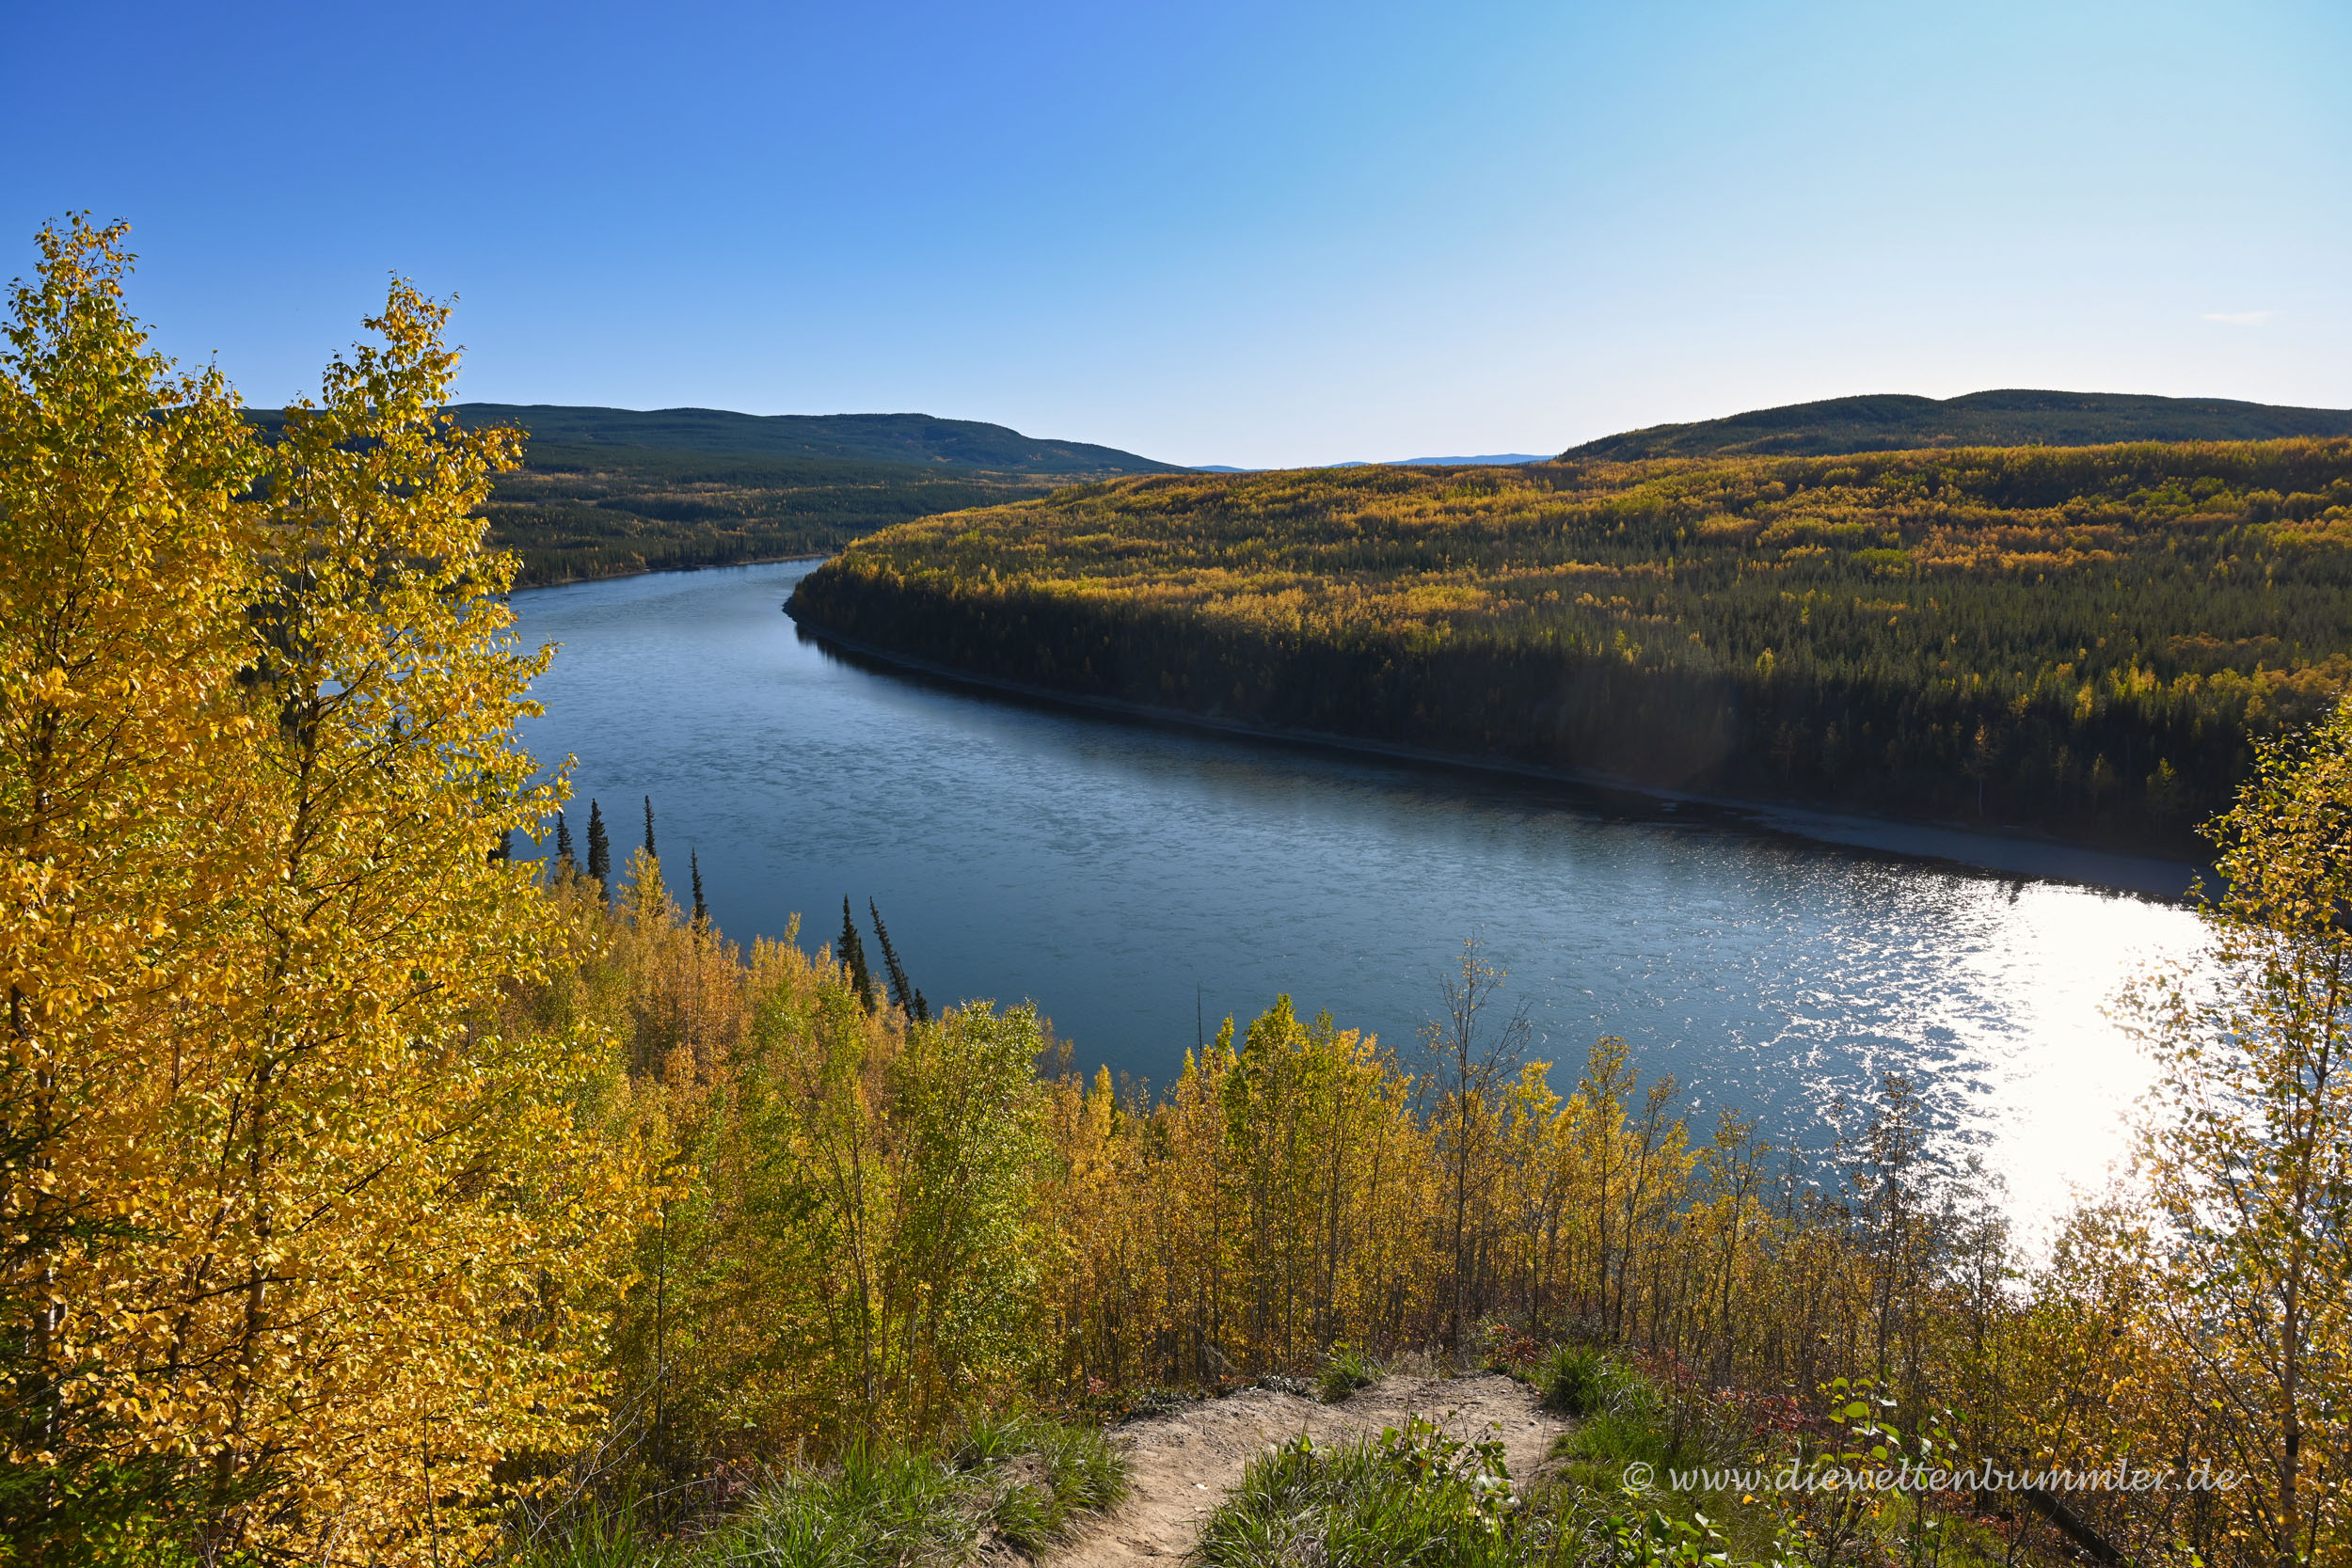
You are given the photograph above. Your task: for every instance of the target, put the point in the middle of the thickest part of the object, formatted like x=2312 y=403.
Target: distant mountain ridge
x=1491 y=460
x=910 y=439
x=593 y=498
x=2012 y=418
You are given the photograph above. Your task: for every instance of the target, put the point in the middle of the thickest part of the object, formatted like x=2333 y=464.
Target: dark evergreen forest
x=2087 y=641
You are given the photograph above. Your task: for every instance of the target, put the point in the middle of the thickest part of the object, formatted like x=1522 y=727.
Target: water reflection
x=1107 y=868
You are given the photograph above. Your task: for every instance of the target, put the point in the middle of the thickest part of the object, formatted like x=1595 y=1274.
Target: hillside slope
x=576 y=512
x=909 y=439
x=2080 y=641
x=718 y=489
x=1895 y=422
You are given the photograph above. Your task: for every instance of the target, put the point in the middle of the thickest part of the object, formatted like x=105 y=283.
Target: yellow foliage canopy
x=256 y=753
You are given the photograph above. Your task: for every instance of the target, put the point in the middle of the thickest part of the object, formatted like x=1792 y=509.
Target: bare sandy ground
x=1181 y=1464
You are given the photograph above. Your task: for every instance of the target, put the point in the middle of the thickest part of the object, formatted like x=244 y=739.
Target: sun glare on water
x=2064 y=1073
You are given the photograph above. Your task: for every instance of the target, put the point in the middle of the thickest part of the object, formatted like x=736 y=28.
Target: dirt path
x=1182 y=1463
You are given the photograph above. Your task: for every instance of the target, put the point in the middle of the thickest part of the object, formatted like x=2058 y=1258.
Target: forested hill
x=604 y=492
x=912 y=438
x=2085 y=641
x=592 y=512
x=1894 y=422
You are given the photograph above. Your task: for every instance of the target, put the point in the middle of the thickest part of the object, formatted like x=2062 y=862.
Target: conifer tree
x=650 y=851
x=600 y=848
x=565 y=862
x=900 y=992
x=694 y=869
x=852 y=957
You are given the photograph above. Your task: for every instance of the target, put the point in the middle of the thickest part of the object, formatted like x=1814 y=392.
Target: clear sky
x=1253 y=233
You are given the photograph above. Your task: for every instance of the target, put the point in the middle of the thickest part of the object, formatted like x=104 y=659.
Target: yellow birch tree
x=386 y=1212
x=123 y=569
x=2248 y=1159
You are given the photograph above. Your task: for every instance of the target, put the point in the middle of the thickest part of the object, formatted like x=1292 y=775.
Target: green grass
x=1624 y=1419
x=886 y=1511
x=1346 y=1370
x=1574 y=1380
x=1020 y=1480
x=1580 y=1508
x=1041 y=1477
x=1420 y=1498
x=598 y=1535
x=1416 y=1497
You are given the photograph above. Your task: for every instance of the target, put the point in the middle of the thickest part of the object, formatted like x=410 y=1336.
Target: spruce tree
x=900 y=992
x=922 y=1009
x=650 y=853
x=565 y=862
x=599 y=846
x=694 y=869
x=852 y=957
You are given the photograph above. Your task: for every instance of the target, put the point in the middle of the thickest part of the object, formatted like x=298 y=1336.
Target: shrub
x=1506 y=1348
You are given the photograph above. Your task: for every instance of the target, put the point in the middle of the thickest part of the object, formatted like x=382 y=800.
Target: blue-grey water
x=1134 y=879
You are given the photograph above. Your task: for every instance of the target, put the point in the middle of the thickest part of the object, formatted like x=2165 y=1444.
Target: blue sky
x=1250 y=234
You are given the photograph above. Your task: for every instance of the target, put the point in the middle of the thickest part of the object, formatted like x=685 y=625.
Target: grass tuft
x=1053 y=1476
x=1346 y=1370
x=600 y=1536
x=883 y=1508
x=1575 y=1380
x=1414 y=1497
x=1022 y=1479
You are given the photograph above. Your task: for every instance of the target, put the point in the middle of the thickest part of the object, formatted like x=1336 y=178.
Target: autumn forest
x=2087 y=641
x=386 y=1186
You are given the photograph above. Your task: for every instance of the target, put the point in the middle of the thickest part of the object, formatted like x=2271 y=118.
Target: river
x=1136 y=879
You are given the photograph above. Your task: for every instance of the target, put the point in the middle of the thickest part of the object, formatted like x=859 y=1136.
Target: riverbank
x=1142 y=879
x=640 y=571
x=2003 y=640
x=2005 y=854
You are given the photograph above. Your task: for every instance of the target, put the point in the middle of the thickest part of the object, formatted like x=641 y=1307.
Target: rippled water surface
x=1107 y=869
